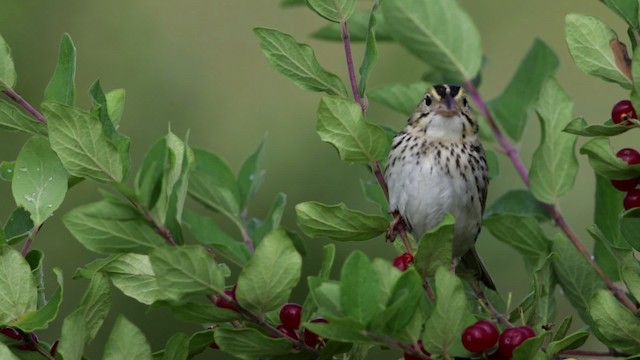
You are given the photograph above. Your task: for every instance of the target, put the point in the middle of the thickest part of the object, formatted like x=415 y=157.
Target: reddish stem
x=29 y=241
x=11 y=94
x=352 y=73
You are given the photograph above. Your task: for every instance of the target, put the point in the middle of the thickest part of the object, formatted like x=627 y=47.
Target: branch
x=10 y=93
x=30 y=238
x=352 y=73
x=248 y=242
x=159 y=228
x=477 y=290
x=554 y=211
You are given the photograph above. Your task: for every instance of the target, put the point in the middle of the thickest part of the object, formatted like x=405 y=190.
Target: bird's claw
x=395 y=226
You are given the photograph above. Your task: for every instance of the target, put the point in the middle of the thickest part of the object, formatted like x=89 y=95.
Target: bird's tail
x=472 y=263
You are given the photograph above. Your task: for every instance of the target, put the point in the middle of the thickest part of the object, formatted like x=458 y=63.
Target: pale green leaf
x=177 y=347
x=337 y=222
x=297 y=62
x=618 y=327
x=579 y=126
x=359 y=288
x=569 y=342
x=40 y=319
x=8 y=73
x=6 y=354
x=213 y=184
x=341 y=123
x=39 y=181
x=523 y=233
x=439 y=33
x=554 y=166
x=134 y=276
x=95 y=305
x=62 y=87
x=12 y=118
x=115 y=104
x=333 y=10
x=74 y=328
x=435 y=249
x=250 y=344
x=605 y=163
x=126 y=341
x=19 y=293
x=370 y=52
x=403 y=98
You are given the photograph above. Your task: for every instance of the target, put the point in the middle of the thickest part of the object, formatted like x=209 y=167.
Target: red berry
x=54 y=348
x=622 y=111
x=223 y=303
x=480 y=336
x=630 y=156
x=402 y=262
x=290 y=315
x=511 y=338
x=26 y=347
x=625 y=185
x=312 y=339
x=12 y=333
x=214 y=346
x=632 y=199
x=413 y=357
x=287 y=331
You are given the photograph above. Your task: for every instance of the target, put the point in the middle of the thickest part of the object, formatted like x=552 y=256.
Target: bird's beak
x=448 y=102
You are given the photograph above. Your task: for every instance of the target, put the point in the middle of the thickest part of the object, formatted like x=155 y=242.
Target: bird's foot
x=395 y=226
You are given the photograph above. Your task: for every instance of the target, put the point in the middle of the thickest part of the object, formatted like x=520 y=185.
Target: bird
x=437 y=165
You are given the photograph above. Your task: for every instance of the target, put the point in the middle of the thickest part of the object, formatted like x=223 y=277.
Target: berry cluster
x=483 y=336
x=620 y=114
x=290 y=317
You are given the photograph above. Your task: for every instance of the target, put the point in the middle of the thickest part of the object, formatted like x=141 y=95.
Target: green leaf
x=523 y=233
x=266 y=281
x=579 y=126
x=106 y=227
x=341 y=124
x=249 y=344
x=359 y=293
x=251 y=175
x=200 y=312
x=126 y=341
x=12 y=118
x=402 y=98
x=115 y=104
x=19 y=291
x=605 y=163
x=370 y=51
x=134 y=276
x=543 y=309
x=35 y=258
x=554 y=166
x=333 y=10
x=81 y=144
x=340 y=329
x=62 y=87
x=297 y=62
x=328 y=256
x=493 y=164
x=148 y=179
x=449 y=317
x=40 y=179
x=517 y=202
x=440 y=33
x=618 y=327
x=435 y=249
x=626 y=9
x=568 y=342
x=40 y=319
x=177 y=347
x=95 y=305
x=18 y=225
x=6 y=170
x=186 y=270
x=358 y=25
x=373 y=192
x=213 y=184
x=606 y=217
x=590 y=44
x=401 y=307
x=259 y=229
x=513 y=106
x=207 y=232
x=326 y=296
x=337 y=222
x=530 y=348
x=577 y=278
x=70 y=346
x=630 y=227
x=8 y=73
x=6 y=354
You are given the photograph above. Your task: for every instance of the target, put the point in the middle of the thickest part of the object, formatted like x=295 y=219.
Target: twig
x=554 y=211
x=30 y=238
x=477 y=290
x=413 y=349
x=352 y=73
x=10 y=93
x=248 y=242
x=159 y=228
x=30 y=341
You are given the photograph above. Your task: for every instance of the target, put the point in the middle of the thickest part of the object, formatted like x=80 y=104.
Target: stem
x=554 y=211
x=413 y=349
x=10 y=93
x=159 y=228
x=477 y=290
x=27 y=244
x=352 y=73
x=29 y=340
x=248 y=242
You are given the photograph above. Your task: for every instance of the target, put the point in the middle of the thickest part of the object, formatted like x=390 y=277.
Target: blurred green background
x=196 y=65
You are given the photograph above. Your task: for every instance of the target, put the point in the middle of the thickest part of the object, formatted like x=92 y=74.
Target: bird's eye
x=427 y=100
x=465 y=102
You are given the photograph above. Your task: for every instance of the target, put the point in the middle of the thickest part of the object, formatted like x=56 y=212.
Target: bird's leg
x=396 y=226
x=454 y=264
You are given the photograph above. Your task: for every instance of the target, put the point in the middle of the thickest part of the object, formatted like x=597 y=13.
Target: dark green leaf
x=126 y=341
x=440 y=33
x=554 y=166
x=8 y=73
x=297 y=62
x=328 y=255
x=251 y=175
x=401 y=307
x=249 y=344
x=207 y=232
x=359 y=289
x=35 y=258
x=177 y=347
x=74 y=328
x=341 y=124
x=589 y=40
x=529 y=349
x=569 y=342
x=373 y=192
x=402 y=98
x=106 y=227
x=626 y=9
x=513 y=106
x=259 y=229
x=40 y=319
x=12 y=118
x=523 y=233
x=358 y=25
x=333 y=10
x=543 y=308
x=186 y=270
x=605 y=163
x=6 y=170
x=435 y=249
x=40 y=179
x=562 y=330
x=326 y=296
x=148 y=182
x=340 y=329
x=606 y=214
x=16 y=280
x=81 y=144
x=579 y=126
x=95 y=305
x=18 y=225
x=266 y=281
x=449 y=317
x=518 y=202
x=618 y=327
x=493 y=164
x=338 y=223
x=630 y=227
x=62 y=87
x=370 y=51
